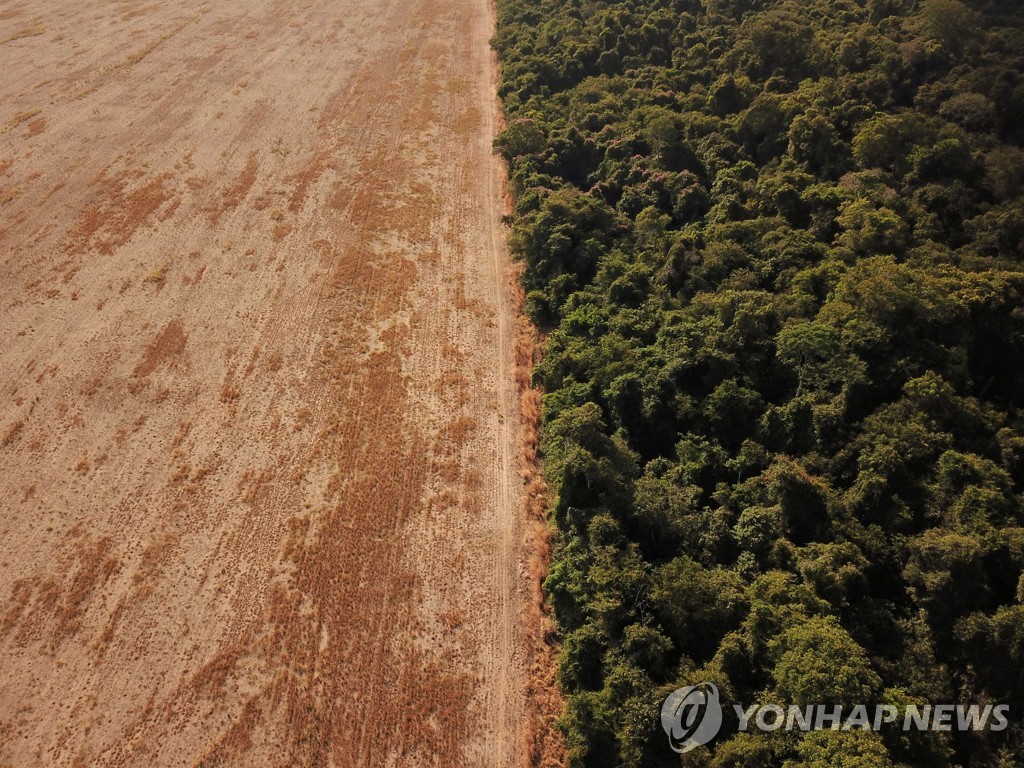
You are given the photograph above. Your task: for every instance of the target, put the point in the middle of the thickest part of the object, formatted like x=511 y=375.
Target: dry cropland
x=259 y=501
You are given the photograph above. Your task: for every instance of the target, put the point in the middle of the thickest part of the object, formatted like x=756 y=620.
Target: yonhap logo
x=691 y=716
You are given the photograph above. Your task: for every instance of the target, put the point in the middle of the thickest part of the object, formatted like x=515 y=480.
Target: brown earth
x=259 y=500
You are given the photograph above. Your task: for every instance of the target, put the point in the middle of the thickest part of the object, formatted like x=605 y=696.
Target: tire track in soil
x=258 y=416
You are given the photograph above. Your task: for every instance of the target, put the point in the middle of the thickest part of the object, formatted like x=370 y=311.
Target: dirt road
x=258 y=502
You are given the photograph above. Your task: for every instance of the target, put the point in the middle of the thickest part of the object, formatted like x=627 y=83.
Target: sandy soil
x=258 y=501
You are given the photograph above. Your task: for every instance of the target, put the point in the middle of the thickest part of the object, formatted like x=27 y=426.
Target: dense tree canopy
x=778 y=248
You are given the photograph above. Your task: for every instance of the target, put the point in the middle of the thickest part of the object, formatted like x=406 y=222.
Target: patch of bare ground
x=268 y=477
x=544 y=744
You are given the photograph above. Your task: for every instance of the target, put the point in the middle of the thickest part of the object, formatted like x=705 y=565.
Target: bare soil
x=259 y=502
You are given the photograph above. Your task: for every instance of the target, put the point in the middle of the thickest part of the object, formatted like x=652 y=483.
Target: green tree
x=814 y=143
x=950 y=21
x=818 y=662
x=841 y=749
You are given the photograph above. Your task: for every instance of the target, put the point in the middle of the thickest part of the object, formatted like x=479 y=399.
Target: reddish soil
x=259 y=500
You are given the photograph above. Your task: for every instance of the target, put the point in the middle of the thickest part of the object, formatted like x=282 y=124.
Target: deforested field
x=258 y=496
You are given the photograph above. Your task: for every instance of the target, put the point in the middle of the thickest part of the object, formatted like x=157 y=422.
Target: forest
x=776 y=250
